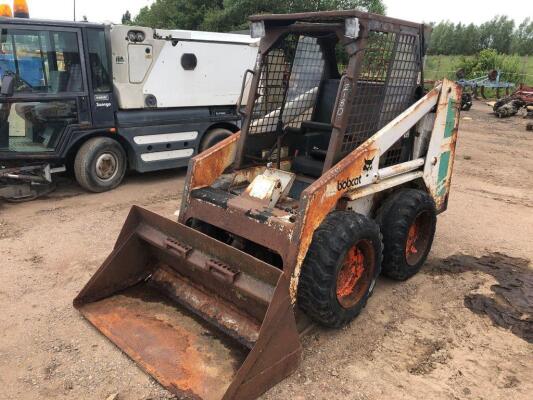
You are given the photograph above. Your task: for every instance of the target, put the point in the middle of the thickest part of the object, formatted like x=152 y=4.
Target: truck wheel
x=100 y=164
x=407 y=220
x=213 y=136
x=341 y=267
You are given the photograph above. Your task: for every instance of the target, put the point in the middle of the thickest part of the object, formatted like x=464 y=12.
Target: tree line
x=448 y=38
x=500 y=34
x=232 y=15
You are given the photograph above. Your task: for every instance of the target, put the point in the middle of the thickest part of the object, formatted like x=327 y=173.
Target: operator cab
x=291 y=125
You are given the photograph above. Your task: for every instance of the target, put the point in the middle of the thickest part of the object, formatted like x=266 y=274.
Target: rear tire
x=100 y=164
x=341 y=267
x=213 y=137
x=407 y=220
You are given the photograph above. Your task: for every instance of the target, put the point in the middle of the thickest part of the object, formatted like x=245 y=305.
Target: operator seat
x=317 y=133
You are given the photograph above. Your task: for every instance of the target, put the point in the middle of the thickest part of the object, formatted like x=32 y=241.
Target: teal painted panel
x=443 y=173
x=450 y=118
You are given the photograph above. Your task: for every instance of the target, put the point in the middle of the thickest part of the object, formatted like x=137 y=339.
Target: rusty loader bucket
x=203 y=318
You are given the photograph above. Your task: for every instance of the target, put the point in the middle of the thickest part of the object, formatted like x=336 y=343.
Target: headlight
x=351 y=28
x=257 y=30
x=140 y=36
x=132 y=36
x=136 y=36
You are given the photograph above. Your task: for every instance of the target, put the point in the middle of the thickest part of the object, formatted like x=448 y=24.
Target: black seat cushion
x=326 y=101
x=315 y=141
x=308 y=166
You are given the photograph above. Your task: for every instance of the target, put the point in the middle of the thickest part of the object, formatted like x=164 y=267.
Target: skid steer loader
x=338 y=174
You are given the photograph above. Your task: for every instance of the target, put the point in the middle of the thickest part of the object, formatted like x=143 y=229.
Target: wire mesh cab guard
x=300 y=57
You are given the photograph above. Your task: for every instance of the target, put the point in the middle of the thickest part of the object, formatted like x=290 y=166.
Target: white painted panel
x=167 y=155
x=165 y=137
x=210 y=36
x=140 y=58
x=216 y=80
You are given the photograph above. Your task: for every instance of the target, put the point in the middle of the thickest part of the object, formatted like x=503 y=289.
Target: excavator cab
x=337 y=175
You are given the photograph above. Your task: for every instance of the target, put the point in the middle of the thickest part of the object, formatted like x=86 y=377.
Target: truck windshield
x=41 y=61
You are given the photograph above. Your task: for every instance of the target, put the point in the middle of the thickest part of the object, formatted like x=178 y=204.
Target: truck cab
x=102 y=98
x=61 y=74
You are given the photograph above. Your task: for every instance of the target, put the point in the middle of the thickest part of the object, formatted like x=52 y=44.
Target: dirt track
x=414 y=340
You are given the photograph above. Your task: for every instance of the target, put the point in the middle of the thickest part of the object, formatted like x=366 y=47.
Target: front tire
x=213 y=137
x=407 y=220
x=341 y=267
x=100 y=164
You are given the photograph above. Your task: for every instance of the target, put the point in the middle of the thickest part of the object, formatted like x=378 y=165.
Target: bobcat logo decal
x=368 y=164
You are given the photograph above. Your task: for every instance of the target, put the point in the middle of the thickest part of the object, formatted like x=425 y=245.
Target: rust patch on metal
x=209 y=165
x=180 y=352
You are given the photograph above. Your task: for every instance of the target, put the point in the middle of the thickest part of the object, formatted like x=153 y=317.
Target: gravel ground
x=414 y=340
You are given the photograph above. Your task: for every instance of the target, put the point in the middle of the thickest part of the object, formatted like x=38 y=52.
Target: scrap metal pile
x=510 y=105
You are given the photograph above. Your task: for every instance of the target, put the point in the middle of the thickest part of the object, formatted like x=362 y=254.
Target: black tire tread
x=394 y=218
x=210 y=135
x=330 y=240
x=83 y=160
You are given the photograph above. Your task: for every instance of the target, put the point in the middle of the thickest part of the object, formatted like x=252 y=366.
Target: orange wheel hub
x=418 y=238
x=412 y=237
x=352 y=269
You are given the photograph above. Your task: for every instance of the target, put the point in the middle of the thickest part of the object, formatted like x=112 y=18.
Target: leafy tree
x=523 y=38
x=497 y=34
x=234 y=13
x=471 y=40
x=126 y=18
x=172 y=14
x=228 y=15
x=442 y=38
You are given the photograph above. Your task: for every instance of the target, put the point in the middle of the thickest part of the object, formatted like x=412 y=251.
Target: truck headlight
x=257 y=30
x=136 y=36
x=351 y=27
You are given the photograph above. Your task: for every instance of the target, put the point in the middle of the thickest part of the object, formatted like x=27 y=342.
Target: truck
x=101 y=99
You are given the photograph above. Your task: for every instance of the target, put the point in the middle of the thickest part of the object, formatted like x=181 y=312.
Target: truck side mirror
x=8 y=85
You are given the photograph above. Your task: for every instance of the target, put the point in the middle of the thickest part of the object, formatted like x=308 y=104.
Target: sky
x=465 y=11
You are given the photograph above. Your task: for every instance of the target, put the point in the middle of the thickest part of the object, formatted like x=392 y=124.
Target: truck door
x=50 y=90
x=100 y=78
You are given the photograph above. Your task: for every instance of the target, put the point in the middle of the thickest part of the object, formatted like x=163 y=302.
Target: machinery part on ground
x=345 y=258
x=508 y=106
x=22 y=192
x=408 y=220
x=524 y=93
x=213 y=137
x=281 y=213
x=100 y=164
x=477 y=85
x=25 y=183
x=466 y=101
